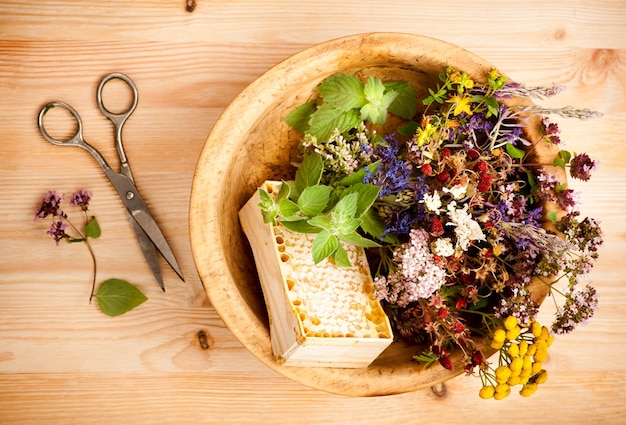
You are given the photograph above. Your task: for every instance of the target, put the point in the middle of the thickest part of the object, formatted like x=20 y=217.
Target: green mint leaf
x=300 y=226
x=372 y=224
x=345 y=208
x=288 y=208
x=367 y=195
x=321 y=222
x=298 y=119
x=117 y=296
x=340 y=257
x=268 y=207
x=358 y=240
x=323 y=246
x=374 y=90
x=309 y=172
x=375 y=111
x=92 y=229
x=284 y=192
x=558 y=162
x=348 y=226
x=515 y=152
x=313 y=199
x=405 y=104
x=327 y=118
x=343 y=92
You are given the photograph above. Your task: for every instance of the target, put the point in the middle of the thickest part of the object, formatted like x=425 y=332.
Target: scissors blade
x=149 y=251
x=151 y=228
x=138 y=210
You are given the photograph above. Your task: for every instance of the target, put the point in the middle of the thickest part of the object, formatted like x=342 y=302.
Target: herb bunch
x=451 y=206
x=114 y=296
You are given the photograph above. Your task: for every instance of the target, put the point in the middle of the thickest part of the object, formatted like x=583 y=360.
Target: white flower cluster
x=466 y=229
x=417 y=276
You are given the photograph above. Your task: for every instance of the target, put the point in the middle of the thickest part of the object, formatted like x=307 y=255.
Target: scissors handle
x=118 y=119
x=76 y=139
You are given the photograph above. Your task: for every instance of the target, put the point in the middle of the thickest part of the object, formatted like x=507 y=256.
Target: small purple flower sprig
x=114 y=296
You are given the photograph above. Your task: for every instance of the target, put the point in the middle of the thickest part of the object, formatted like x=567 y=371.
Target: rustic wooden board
x=62 y=361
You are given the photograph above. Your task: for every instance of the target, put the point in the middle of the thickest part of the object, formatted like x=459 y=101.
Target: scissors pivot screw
x=130 y=195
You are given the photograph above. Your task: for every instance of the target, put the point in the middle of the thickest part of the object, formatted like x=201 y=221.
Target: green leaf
x=531 y=181
x=283 y=192
x=405 y=104
x=345 y=208
x=340 y=257
x=372 y=224
x=367 y=194
x=299 y=117
x=268 y=206
x=323 y=246
x=300 y=226
x=565 y=155
x=309 y=172
x=359 y=176
x=343 y=92
x=374 y=90
x=481 y=303
x=320 y=221
x=313 y=199
x=558 y=162
x=409 y=129
x=327 y=118
x=375 y=111
x=117 y=296
x=288 y=208
x=515 y=152
x=552 y=216
x=358 y=240
x=348 y=226
x=492 y=106
x=427 y=357
x=92 y=228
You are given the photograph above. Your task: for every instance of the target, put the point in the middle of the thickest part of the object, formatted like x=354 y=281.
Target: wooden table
x=62 y=361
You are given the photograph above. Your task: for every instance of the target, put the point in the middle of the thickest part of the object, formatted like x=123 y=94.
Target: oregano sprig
x=114 y=296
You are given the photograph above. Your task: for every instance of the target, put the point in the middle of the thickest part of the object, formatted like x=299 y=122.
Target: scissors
x=146 y=230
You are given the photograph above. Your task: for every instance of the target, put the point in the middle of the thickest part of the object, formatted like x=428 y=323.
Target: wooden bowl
x=251 y=143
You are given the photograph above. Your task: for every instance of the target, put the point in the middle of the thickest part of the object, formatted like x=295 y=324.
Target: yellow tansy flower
x=487 y=391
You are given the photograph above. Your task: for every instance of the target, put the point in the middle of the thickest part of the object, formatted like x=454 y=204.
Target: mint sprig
x=337 y=214
x=347 y=101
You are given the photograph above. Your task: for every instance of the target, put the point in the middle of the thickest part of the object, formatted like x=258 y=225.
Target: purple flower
x=81 y=199
x=567 y=199
x=57 y=230
x=393 y=174
x=578 y=309
x=51 y=204
x=581 y=167
x=551 y=131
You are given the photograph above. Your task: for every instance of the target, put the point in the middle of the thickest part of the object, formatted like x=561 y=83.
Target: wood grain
x=62 y=361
